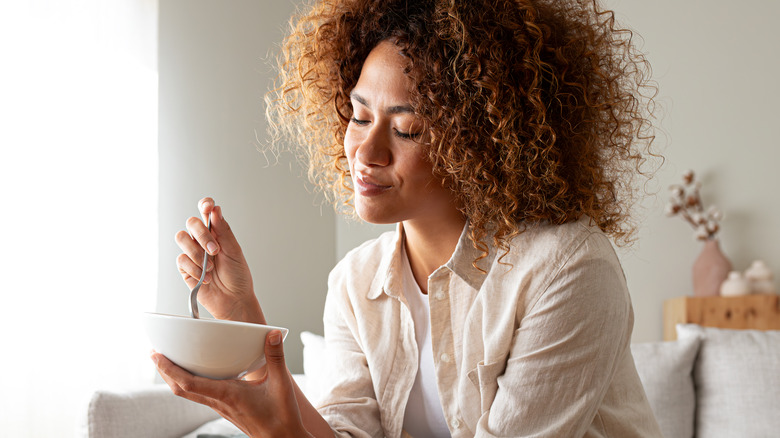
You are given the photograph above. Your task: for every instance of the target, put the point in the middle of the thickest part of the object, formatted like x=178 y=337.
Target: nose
x=374 y=148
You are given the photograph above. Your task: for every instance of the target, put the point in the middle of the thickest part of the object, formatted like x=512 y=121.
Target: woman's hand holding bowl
x=266 y=407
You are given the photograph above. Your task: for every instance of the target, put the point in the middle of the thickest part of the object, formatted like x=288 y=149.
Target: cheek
x=419 y=168
x=421 y=176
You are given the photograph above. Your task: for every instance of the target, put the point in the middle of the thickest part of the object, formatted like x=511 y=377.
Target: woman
x=502 y=137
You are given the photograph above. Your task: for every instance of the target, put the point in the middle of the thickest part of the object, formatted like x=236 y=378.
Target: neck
x=430 y=245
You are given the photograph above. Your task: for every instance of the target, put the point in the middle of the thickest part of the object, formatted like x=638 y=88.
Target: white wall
x=716 y=66
x=212 y=80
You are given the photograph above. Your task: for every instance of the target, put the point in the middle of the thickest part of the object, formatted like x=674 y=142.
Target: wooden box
x=760 y=312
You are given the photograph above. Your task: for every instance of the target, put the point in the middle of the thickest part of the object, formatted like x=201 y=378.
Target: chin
x=376 y=220
x=372 y=216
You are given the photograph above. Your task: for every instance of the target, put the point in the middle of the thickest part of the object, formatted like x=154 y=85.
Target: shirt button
x=439 y=295
x=445 y=357
x=455 y=423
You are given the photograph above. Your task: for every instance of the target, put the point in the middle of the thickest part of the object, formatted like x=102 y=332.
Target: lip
x=367 y=186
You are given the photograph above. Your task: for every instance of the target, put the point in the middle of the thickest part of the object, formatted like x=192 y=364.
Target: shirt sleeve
x=348 y=402
x=566 y=351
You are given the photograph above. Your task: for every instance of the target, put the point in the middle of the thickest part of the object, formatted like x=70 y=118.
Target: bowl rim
x=215 y=321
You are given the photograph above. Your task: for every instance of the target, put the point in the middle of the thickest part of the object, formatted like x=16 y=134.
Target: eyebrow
x=396 y=109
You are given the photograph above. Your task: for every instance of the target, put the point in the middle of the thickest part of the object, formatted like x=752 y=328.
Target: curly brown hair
x=537 y=110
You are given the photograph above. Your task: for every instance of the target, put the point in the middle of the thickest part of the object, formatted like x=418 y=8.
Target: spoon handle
x=194 y=294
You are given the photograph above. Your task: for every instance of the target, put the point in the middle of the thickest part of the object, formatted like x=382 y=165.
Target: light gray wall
x=716 y=66
x=212 y=80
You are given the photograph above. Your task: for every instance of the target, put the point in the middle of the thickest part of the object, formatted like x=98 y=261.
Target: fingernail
x=211 y=247
x=275 y=338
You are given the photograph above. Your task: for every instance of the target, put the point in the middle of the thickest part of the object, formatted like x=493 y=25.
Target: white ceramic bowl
x=210 y=348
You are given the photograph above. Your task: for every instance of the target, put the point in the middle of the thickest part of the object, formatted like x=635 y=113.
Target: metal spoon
x=194 y=294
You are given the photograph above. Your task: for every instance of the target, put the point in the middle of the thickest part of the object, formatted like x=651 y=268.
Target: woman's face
x=391 y=174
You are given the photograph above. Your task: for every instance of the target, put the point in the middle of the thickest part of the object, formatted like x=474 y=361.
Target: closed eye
x=407 y=135
x=359 y=122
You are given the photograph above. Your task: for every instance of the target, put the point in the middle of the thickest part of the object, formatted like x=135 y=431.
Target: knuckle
x=192 y=222
x=182 y=236
x=276 y=358
x=186 y=386
x=177 y=390
x=182 y=259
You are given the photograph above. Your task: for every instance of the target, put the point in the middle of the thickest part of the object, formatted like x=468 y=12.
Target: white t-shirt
x=424 y=416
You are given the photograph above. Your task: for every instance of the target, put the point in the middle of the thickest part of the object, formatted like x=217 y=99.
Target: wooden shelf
x=759 y=312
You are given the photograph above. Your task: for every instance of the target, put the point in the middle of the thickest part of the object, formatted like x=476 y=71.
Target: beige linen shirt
x=538 y=346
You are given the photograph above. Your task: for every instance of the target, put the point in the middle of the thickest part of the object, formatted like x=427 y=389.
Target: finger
x=190 y=271
x=202 y=235
x=187 y=269
x=205 y=205
x=193 y=250
x=190 y=386
x=180 y=381
x=274 y=355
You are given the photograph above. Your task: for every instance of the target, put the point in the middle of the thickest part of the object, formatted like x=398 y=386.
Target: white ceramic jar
x=760 y=278
x=736 y=284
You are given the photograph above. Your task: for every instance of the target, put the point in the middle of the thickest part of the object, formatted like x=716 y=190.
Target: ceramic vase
x=736 y=284
x=710 y=270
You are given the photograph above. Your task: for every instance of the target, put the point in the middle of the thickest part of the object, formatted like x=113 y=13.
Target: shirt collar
x=389 y=278
x=462 y=260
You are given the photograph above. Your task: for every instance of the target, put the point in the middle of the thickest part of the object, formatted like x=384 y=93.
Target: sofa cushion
x=313 y=356
x=737 y=377
x=665 y=369
x=148 y=412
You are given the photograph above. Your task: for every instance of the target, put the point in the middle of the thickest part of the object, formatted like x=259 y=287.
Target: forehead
x=382 y=76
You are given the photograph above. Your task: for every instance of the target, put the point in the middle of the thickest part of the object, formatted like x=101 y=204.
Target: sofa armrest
x=153 y=412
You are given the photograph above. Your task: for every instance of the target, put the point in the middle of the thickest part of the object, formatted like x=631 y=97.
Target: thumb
x=274 y=353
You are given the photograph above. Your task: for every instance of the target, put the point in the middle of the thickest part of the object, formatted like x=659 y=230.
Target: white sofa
x=709 y=383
